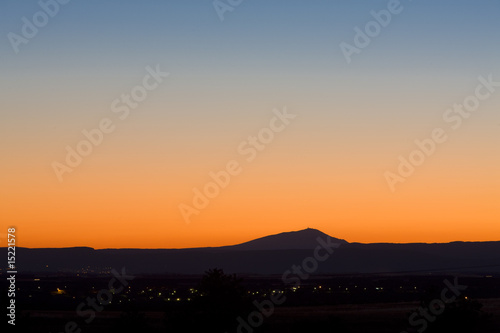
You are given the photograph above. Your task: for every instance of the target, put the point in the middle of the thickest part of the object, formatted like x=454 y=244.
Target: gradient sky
x=324 y=171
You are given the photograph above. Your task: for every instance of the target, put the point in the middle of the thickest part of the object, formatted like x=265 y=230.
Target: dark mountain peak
x=301 y=239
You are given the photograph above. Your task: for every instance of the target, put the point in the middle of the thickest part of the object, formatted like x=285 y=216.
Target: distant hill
x=295 y=240
x=271 y=255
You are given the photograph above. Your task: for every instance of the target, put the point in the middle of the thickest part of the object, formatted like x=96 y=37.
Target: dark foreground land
x=215 y=301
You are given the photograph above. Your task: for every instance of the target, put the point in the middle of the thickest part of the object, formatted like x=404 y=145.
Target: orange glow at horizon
x=104 y=211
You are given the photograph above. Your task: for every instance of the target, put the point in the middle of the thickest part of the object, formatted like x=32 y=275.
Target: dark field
x=193 y=303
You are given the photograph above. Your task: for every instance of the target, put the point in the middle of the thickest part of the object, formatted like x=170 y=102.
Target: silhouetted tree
x=221 y=300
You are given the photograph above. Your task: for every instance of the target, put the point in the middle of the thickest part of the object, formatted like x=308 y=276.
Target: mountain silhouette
x=272 y=254
x=294 y=240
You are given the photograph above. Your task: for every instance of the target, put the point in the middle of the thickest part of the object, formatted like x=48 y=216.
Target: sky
x=332 y=113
